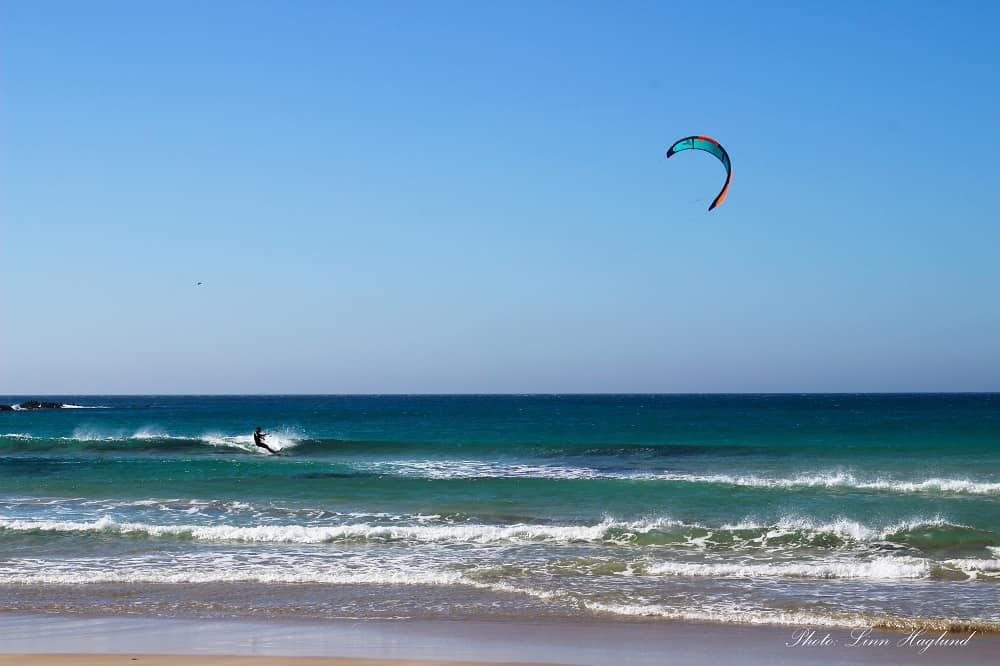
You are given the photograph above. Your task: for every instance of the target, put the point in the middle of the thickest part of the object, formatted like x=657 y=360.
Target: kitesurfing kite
x=709 y=145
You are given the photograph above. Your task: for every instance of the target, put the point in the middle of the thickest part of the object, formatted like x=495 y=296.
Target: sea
x=835 y=510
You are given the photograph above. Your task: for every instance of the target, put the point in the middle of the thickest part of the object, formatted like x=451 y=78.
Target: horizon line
x=495 y=394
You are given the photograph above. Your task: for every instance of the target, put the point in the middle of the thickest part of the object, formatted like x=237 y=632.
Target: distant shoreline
x=31 y=405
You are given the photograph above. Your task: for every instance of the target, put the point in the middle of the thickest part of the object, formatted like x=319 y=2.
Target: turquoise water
x=844 y=510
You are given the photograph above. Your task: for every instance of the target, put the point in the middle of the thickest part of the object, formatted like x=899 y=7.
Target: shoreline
x=104 y=659
x=50 y=640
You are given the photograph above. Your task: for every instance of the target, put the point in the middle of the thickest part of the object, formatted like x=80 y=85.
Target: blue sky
x=473 y=197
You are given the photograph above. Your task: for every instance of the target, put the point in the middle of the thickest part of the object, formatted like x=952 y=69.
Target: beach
x=528 y=529
x=102 y=640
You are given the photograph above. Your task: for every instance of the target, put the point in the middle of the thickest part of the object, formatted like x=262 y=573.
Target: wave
x=785 y=534
x=878 y=568
x=354 y=573
x=734 y=613
x=281 y=439
x=445 y=567
x=843 y=480
x=480 y=469
x=843 y=528
x=366 y=447
x=19 y=408
x=303 y=534
x=975 y=568
x=259 y=574
x=715 y=612
x=295 y=441
x=299 y=574
x=151 y=437
x=105 y=508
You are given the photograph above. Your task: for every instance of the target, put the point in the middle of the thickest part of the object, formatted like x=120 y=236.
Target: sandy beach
x=51 y=640
x=179 y=660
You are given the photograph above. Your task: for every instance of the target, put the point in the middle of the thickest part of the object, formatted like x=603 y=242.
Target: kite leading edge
x=709 y=145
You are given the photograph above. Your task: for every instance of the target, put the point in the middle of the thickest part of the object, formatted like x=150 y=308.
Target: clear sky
x=473 y=197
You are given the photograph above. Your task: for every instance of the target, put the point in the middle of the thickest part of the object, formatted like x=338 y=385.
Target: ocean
x=831 y=510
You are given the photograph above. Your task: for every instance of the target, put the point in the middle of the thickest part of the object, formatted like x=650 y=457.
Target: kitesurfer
x=258 y=439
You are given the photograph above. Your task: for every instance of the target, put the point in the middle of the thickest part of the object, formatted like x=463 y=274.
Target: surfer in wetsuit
x=258 y=439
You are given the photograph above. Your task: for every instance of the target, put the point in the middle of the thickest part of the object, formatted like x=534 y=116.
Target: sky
x=473 y=197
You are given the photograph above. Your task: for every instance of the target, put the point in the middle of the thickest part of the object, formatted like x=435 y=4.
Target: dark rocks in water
x=32 y=404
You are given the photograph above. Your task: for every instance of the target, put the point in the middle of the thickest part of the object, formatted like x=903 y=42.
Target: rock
x=6 y=408
x=34 y=404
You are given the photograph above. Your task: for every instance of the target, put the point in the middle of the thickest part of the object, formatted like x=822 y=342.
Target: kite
x=709 y=145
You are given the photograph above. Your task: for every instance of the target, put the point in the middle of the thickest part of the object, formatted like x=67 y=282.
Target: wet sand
x=60 y=640
x=181 y=660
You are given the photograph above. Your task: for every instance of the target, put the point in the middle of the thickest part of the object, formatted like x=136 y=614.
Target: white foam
x=965 y=486
x=99 y=507
x=440 y=533
x=150 y=432
x=82 y=434
x=479 y=469
x=90 y=434
x=280 y=439
x=974 y=568
x=733 y=615
x=841 y=527
x=236 y=568
x=430 y=530
x=838 y=480
x=724 y=613
x=40 y=572
x=878 y=568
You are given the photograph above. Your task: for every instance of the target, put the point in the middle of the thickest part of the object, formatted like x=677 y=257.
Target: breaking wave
x=786 y=533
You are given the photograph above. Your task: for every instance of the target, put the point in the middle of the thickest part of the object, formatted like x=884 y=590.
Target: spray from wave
x=280 y=439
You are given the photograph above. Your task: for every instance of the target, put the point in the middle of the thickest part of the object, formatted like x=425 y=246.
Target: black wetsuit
x=258 y=439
